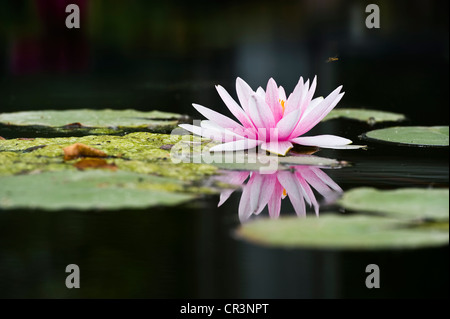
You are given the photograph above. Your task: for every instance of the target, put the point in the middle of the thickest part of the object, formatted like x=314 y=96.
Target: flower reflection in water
x=269 y=189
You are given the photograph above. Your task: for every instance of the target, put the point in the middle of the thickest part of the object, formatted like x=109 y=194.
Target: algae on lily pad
x=404 y=203
x=87 y=121
x=82 y=190
x=420 y=136
x=363 y=115
x=138 y=152
x=341 y=232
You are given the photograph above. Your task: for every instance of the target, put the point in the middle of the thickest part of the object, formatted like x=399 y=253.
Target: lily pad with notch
x=365 y=115
x=416 y=136
x=88 y=122
x=402 y=203
x=335 y=232
x=88 y=190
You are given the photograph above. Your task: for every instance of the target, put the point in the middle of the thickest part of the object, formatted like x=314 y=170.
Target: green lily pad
x=252 y=161
x=341 y=232
x=420 y=136
x=409 y=203
x=87 y=190
x=370 y=116
x=139 y=152
x=87 y=122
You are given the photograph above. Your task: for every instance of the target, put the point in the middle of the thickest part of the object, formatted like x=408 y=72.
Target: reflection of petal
x=309 y=195
x=244 y=204
x=267 y=188
x=326 y=179
x=233 y=178
x=274 y=204
x=293 y=189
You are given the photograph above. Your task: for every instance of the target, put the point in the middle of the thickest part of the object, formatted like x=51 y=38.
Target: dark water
x=190 y=251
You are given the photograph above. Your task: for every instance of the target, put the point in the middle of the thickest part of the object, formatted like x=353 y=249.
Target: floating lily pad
x=82 y=190
x=136 y=152
x=253 y=161
x=370 y=116
x=421 y=136
x=342 y=232
x=409 y=203
x=86 y=121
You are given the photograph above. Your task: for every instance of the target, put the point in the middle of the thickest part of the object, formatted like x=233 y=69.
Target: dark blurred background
x=165 y=55
x=147 y=55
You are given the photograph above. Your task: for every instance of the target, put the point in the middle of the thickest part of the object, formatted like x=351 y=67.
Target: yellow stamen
x=282 y=104
x=284 y=192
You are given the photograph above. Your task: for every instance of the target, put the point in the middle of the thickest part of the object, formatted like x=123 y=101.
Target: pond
x=168 y=237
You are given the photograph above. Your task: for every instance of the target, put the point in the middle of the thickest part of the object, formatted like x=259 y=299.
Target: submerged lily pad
x=409 y=203
x=363 y=115
x=341 y=232
x=86 y=121
x=82 y=190
x=421 y=136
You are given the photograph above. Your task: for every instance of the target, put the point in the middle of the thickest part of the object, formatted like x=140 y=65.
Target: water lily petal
x=306 y=102
x=273 y=100
x=260 y=91
x=236 y=145
x=277 y=147
x=197 y=130
x=210 y=131
x=293 y=102
x=260 y=113
x=281 y=93
x=227 y=134
x=312 y=116
x=217 y=118
x=244 y=91
x=234 y=108
x=321 y=140
x=287 y=124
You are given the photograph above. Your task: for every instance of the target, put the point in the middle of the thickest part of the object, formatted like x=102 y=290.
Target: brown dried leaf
x=2 y=138
x=81 y=150
x=94 y=163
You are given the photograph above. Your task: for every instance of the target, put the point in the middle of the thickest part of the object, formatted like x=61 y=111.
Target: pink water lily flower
x=269 y=189
x=269 y=119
